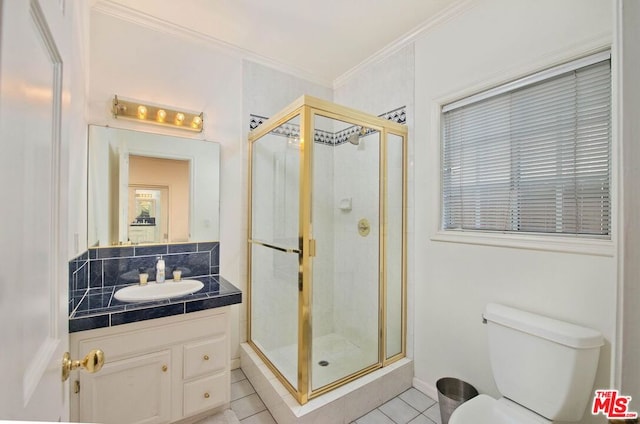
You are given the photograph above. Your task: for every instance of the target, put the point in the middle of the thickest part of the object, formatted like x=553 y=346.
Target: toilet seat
x=484 y=409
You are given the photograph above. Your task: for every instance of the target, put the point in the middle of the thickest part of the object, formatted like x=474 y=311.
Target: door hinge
x=312 y=248
x=76 y=386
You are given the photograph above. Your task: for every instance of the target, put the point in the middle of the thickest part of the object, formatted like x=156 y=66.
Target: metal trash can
x=451 y=394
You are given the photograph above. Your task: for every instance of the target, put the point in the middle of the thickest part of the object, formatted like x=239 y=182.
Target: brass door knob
x=93 y=362
x=206 y=395
x=205 y=357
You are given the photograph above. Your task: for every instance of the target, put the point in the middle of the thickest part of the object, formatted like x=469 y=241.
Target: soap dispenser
x=160 y=270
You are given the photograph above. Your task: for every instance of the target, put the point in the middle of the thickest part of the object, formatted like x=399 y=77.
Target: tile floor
x=410 y=407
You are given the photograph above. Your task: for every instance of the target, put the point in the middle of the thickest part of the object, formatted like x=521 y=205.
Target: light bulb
x=197 y=122
x=179 y=118
x=161 y=116
x=142 y=112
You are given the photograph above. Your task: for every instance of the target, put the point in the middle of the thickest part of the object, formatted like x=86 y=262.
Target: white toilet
x=544 y=369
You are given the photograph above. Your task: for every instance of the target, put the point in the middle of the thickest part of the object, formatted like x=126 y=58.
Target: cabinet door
x=133 y=390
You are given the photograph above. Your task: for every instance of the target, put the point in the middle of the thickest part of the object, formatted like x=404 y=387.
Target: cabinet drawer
x=205 y=356
x=206 y=393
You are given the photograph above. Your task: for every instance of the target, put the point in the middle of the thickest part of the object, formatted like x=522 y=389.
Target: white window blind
x=533 y=156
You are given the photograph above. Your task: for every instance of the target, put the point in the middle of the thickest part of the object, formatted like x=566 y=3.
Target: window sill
x=548 y=243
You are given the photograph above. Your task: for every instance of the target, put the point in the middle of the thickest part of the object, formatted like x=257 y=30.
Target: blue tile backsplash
x=113 y=266
x=95 y=275
x=79 y=272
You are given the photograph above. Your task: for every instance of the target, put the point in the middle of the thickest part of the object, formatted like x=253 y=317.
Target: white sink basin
x=157 y=291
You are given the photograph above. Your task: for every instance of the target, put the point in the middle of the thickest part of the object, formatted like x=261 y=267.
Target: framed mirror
x=147 y=188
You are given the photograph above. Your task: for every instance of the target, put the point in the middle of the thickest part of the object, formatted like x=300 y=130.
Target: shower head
x=355 y=137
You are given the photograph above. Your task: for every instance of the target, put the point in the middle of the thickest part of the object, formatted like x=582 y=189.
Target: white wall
x=496 y=41
x=629 y=367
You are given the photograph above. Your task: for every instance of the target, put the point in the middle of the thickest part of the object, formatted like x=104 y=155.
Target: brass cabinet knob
x=165 y=368
x=205 y=357
x=93 y=362
x=206 y=395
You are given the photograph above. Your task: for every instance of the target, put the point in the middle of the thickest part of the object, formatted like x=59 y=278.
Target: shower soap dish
x=345 y=204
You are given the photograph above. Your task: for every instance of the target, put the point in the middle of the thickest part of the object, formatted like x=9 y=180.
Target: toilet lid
x=484 y=409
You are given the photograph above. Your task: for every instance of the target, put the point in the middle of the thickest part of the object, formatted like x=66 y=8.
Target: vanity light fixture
x=159 y=115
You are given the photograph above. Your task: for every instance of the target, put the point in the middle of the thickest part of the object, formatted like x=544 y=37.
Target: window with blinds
x=533 y=155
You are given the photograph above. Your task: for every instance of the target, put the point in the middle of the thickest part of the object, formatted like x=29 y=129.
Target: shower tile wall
x=323 y=224
x=356 y=264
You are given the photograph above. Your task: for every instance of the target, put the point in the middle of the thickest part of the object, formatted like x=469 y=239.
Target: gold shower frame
x=307 y=108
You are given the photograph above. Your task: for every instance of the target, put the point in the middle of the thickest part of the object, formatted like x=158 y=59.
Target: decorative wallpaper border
x=398 y=115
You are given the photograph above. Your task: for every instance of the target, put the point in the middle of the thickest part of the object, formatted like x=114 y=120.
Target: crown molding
x=457 y=8
x=128 y=14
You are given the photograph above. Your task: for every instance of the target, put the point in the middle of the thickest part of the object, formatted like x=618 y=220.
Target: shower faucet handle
x=364 y=227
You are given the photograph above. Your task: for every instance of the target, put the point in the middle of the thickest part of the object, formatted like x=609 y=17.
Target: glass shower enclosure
x=326 y=245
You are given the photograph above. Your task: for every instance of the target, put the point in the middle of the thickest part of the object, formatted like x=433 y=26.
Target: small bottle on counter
x=160 y=270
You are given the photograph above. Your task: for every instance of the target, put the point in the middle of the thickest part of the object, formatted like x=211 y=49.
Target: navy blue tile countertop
x=96 y=307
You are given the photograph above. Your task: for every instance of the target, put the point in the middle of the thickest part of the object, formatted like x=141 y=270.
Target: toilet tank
x=541 y=363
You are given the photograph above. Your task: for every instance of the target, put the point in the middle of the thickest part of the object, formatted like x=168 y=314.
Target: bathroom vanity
x=166 y=359
x=156 y=371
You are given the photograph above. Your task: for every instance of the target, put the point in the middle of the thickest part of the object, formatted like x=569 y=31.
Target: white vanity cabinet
x=142 y=234
x=156 y=371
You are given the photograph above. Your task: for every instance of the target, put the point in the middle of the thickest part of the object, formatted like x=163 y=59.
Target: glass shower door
x=394 y=253
x=345 y=225
x=275 y=193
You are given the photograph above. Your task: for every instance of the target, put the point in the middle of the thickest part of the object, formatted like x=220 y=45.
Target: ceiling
x=323 y=40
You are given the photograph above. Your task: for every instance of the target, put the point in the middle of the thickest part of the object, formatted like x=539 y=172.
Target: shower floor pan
x=334 y=357
x=341 y=405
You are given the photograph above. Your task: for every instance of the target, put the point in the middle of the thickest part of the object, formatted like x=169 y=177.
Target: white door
x=34 y=39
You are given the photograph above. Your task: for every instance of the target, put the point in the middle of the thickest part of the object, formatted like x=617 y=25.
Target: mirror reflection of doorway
x=148 y=217
x=158 y=200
